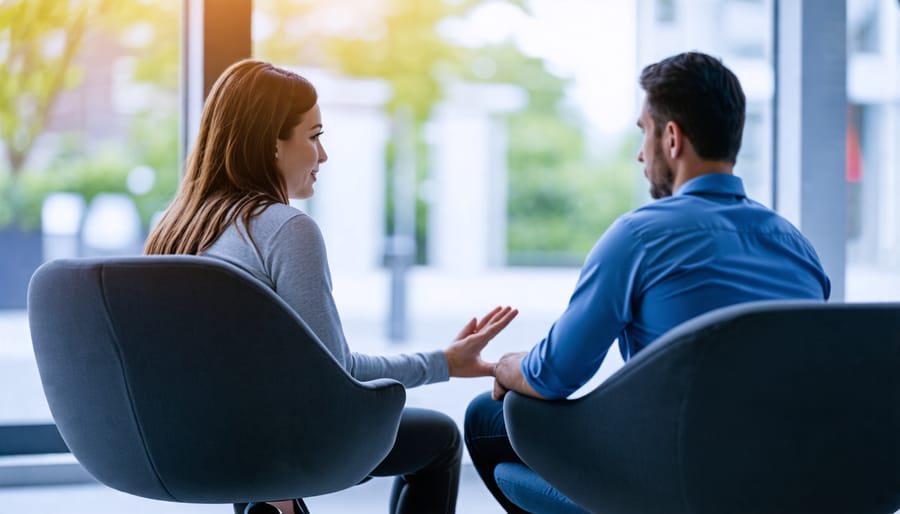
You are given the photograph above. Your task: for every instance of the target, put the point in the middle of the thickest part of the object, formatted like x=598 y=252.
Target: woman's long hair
x=231 y=172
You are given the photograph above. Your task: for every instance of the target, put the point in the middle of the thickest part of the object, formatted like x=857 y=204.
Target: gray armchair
x=769 y=407
x=182 y=378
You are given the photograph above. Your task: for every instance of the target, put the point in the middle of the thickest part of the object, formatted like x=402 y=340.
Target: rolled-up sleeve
x=598 y=311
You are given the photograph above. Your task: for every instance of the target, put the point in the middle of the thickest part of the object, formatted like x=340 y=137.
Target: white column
x=811 y=124
x=349 y=200
x=889 y=206
x=467 y=187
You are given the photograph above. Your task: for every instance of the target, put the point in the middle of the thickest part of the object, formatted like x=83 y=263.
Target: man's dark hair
x=703 y=97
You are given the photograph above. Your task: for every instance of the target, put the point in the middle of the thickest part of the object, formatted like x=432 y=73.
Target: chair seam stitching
x=127 y=386
x=681 y=428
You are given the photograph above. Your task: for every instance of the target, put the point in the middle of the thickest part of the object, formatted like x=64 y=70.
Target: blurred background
x=478 y=149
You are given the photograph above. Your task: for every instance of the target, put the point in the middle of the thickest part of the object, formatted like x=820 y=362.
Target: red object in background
x=854 y=156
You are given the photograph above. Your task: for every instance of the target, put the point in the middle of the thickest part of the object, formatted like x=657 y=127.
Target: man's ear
x=673 y=140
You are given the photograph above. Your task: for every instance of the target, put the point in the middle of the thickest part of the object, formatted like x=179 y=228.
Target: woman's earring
x=276 y=153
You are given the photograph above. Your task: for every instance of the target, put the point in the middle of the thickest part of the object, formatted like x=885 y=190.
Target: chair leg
x=300 y=507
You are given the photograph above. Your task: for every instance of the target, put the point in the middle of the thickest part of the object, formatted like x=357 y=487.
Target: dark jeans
x=489 y=444
x=425 y=459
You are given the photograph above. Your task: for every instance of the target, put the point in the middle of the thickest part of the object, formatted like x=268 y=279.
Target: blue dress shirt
x=707 y=246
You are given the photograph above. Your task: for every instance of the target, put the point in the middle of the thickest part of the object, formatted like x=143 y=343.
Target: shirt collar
x=724 y=184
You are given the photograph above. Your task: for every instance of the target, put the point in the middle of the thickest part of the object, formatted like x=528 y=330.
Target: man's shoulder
x=669 y=211
x=679 y=214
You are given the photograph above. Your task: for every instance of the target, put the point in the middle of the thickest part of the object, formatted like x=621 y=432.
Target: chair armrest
x=380 y=383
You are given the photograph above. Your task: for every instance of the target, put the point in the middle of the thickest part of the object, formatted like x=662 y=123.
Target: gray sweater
x=287 y=254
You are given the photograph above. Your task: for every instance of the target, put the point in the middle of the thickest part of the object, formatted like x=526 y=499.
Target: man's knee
x=481 y=414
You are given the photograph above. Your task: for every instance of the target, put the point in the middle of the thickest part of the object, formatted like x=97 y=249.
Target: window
x=89 y=150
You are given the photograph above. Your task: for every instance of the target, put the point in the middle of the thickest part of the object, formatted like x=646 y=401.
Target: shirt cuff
x=548 y=392
x=438 y=368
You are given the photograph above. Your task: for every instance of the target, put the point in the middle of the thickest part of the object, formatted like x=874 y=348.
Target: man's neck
x=687 y=169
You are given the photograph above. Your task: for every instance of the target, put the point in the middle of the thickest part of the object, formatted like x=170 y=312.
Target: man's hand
x=499 y=391
x=508 y=377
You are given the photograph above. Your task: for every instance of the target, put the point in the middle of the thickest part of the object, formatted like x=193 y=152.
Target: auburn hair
x=231 y=172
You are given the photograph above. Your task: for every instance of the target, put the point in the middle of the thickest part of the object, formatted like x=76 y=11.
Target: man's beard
x=663 y=189
x=661 y=179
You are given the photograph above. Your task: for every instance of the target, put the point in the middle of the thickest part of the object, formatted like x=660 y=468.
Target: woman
x=259 y=145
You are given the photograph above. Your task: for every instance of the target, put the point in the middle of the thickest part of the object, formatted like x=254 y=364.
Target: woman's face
x=299 y=156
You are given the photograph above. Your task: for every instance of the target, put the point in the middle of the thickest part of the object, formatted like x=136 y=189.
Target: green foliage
x=103 y=170
x=559 y=206
x=401 y=45
x=7 y=199
x=155 y=144
x=510 y=66
x=394 y=40
x=43 y=39
x=559 y=201
x=406 y=55
x=156 y=55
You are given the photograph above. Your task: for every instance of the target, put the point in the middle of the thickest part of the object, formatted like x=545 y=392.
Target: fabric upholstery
x=182 y=378
x=766 y=407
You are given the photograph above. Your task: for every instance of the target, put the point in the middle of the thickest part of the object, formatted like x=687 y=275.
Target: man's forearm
x=508 y=374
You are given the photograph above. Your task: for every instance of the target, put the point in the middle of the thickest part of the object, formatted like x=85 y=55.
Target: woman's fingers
x=478 y=340
x=468 y=329
x=496 y=315
x=487 y=318
x=500 y=322
x=476 y=334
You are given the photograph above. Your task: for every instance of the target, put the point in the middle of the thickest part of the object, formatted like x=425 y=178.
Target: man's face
x=656 y=168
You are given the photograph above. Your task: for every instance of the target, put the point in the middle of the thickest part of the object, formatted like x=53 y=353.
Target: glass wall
x=873 y=158
x=88 y=149
x=473 y=137
x=475 y=154
x=739 y=32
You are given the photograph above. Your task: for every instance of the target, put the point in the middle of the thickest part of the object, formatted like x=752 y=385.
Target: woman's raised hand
x=464 y=354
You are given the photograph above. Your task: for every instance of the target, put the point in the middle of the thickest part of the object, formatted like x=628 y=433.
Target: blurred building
x=741 y=33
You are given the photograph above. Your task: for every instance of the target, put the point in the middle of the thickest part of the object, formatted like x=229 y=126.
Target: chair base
x=264 y=508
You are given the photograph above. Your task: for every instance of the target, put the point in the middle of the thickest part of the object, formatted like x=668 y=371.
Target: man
x=700 y=246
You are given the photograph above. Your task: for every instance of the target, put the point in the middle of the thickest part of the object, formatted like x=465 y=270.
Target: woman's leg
x=425 y=459
x=489 y=444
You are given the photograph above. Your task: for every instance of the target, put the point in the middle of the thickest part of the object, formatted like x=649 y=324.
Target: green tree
x=560 y=200
x=42 y=38
x=398 y=41
x=40 y=45
x=561 y=203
